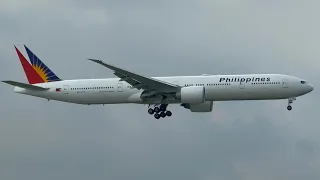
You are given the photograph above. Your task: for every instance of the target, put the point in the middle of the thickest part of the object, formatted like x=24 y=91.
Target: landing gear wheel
x=159 y=111
x=290 y=101
x=156 y=109
x=150 y=111
x=163 y=114
x=157 y=116
x=163 y=107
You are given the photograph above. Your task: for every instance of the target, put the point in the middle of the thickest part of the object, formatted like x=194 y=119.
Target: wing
x=139 y=81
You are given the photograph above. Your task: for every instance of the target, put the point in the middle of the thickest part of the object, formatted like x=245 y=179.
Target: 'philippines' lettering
x=247 y=80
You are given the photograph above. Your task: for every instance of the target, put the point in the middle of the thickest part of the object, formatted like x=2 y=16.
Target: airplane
x=195 y=93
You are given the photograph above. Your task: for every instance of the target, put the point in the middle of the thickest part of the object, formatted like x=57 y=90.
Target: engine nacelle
x=199 y=107
x=192 y=94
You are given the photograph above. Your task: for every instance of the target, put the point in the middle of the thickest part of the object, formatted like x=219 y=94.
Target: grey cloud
x=198 y=152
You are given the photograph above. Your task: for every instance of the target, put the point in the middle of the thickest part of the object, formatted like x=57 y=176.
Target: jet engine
x=199 y=107
x=192 y=94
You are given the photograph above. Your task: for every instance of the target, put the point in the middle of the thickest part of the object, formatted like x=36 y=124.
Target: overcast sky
x=254 y=140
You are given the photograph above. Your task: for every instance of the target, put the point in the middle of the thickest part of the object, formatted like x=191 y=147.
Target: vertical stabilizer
x=35 y=70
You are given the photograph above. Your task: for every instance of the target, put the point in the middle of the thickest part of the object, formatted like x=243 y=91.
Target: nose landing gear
x=160 y=111
x=290 y=101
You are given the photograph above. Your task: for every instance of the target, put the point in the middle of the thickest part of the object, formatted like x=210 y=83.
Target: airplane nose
x=310 y=88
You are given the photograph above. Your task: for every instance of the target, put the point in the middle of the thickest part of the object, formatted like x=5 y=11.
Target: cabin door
x=65 y=89
x=285 y=83
x=119 y=87
x=242 y=85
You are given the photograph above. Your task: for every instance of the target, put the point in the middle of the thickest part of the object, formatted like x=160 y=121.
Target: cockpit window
x=303 y=82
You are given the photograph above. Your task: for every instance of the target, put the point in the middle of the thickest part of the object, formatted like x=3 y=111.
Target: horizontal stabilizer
x=26 y=86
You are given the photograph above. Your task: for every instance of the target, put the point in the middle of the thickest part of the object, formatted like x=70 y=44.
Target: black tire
x=156 y=109
x=289 y=108
x=163 y=114
x=150 y=111
x=169 y=113
x=163 y=107
x=157 y=116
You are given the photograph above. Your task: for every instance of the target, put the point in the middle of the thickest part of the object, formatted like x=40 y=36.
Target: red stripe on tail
x=32 y=76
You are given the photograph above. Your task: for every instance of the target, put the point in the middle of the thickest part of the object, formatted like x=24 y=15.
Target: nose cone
x=310 y=88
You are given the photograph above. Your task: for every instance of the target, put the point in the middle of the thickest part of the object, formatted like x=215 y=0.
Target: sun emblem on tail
x=41 y=71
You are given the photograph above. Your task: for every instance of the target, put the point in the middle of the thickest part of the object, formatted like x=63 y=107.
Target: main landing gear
x=290 y=101
x=160 y=111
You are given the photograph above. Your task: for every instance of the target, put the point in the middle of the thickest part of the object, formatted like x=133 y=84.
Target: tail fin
x=35 y=70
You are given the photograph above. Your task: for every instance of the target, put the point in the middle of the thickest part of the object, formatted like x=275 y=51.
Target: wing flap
x=26 y=86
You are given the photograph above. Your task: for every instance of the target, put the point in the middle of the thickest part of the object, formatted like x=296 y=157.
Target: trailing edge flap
x=26 y=86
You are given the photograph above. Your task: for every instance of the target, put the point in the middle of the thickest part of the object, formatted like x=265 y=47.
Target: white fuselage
x=217 y=88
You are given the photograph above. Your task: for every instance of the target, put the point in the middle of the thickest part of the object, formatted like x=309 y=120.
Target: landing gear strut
x=160 y=110
x=290 y=101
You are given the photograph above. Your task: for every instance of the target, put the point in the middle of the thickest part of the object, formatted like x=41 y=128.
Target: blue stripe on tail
x=36 y=62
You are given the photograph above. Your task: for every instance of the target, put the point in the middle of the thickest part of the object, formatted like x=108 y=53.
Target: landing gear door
x=285 y=83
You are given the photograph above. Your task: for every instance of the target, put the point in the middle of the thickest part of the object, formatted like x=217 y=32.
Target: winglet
x=96 y=60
